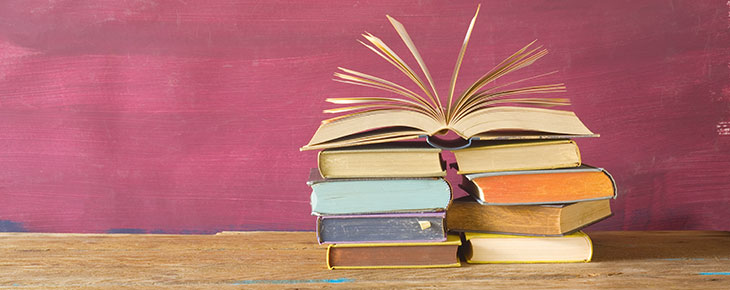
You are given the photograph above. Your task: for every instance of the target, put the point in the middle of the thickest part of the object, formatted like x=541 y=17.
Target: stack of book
x=528 y=201
x=378 y=208
x=383 y=206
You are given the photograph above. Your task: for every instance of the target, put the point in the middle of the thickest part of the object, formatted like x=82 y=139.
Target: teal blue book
x=377 y=195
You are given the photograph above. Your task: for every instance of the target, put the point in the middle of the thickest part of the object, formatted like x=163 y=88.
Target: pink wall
x=187 y=116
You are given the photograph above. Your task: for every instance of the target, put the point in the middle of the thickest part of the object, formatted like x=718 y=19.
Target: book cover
x=381 y=228
x=377 y=195
x=394 y=255
x=547 y=186
x=496 y=248
x=467 y=215
x=395 y=159
x=485 y=110
x=491 y=156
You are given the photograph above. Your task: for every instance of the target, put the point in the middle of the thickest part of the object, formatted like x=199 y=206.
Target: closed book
x=496 y=248
x=490 y=156
x=546 y=186
x=399 y=159
x=378 y=195
x=467 y=215
x=381 y=228
x=394 y=255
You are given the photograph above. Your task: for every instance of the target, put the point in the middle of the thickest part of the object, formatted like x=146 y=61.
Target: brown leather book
x=395 y=255
x=466 y=215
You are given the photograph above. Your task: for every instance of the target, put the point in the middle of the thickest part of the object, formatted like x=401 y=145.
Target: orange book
x=548 y=186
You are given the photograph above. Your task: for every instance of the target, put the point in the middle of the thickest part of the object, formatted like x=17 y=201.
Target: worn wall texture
x=187 y=116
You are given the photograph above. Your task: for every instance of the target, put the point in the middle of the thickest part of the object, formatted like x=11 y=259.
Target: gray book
x=381 y=228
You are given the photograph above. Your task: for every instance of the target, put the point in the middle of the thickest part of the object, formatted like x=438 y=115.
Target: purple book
x=381 y=228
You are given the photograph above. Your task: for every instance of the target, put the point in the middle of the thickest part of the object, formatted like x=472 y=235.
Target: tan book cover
x=496 y=248
x=399 y=159
x=493 y=156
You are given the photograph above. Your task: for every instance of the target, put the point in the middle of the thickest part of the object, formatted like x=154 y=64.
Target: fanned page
x=485 y=110
x=504 y=123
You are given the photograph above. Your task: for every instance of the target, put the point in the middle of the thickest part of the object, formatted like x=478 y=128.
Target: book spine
x=613 y=182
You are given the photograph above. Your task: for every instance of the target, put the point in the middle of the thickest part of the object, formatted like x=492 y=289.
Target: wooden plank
x=693 y=259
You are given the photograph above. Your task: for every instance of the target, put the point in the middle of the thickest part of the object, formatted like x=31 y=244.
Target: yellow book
x=400 y=159
x=497 y=248
x=395 y=255
x=494 y=156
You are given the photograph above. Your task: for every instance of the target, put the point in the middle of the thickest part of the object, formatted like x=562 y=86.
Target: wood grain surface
x=251 y=260
x=127 y=116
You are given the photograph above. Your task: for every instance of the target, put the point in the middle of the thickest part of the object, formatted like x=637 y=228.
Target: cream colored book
x=486 y=110
x=496 y=248
x=517 y=155
x=398 y=159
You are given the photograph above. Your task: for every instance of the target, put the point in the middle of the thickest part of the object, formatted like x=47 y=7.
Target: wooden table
x=245 y=260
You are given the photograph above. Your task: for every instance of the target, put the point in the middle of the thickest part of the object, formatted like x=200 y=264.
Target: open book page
x=485 y=110
x=538 y=120
x=373 y=120
x=497 y=123
x=364 y=139
x=457 y=66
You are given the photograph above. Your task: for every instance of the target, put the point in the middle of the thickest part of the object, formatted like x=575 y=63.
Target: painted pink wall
x=187 y=116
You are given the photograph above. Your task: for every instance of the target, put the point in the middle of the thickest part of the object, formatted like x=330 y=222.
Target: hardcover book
x=547 y=186
x=493 y=156
x=467 y=215
x=381 y=228
x=394 y=255
x=399 y=159
x=377 y=195
x=485 y=110
x=495 y=248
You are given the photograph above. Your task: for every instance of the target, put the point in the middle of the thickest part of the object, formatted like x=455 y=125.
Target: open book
x=485 y=110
